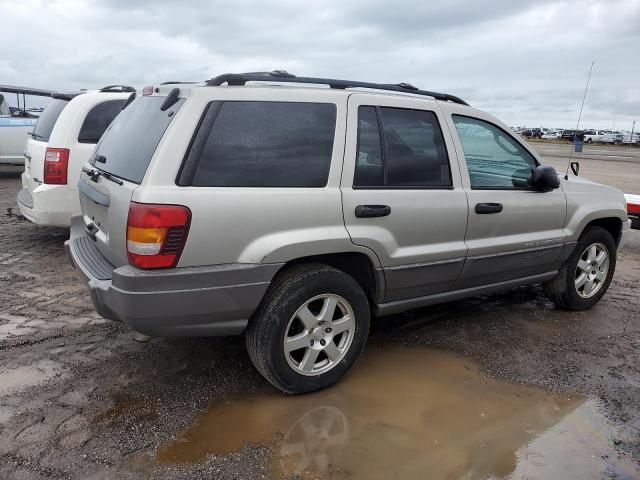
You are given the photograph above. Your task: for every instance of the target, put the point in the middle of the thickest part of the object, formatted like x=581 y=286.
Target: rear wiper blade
x=94 y=174
x=35 y=135
x=108 y=176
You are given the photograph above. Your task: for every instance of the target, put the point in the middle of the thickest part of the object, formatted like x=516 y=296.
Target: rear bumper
x=187 y=301
x=17 y=160
x=48 y=205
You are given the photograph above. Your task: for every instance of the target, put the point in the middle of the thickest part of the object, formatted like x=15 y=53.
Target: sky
x=524 y=61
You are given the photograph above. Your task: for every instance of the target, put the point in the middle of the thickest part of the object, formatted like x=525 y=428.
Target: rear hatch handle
x=96 y=196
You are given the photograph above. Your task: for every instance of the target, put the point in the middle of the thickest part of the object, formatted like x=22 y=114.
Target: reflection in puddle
x=411 y=413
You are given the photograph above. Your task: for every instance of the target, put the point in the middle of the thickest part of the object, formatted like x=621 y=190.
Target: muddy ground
x=82 y=398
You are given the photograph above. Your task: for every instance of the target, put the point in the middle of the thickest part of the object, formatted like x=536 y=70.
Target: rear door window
x=410 y=153
x=98 y=119
x=262 y=144
x=128 y=144
x=48 y=118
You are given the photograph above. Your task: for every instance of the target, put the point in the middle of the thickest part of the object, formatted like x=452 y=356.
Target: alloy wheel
x=319 y=334
x=591 y=270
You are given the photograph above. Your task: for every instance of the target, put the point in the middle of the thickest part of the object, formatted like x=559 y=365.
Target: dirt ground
x=81 y=397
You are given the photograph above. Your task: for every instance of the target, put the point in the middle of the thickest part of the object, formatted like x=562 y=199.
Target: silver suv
x=292 y=214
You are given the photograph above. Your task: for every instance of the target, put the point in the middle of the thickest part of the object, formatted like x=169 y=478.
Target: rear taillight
x=56 y=164
x=156 y=234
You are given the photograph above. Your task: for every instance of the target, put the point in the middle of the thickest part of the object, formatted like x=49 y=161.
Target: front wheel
x=586 y=275
x=310 y=328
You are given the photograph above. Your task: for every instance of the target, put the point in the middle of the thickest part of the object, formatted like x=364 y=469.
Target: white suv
x=63 y=139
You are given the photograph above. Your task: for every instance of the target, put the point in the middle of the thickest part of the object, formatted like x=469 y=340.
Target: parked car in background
x=572 y=134
x=631 y=138
x=612 y=138
x=591 y=136
x=532 y=132
x=293 y=213
x=16 y=123
x=63 y=139
x=633 y=210
x=553 y=134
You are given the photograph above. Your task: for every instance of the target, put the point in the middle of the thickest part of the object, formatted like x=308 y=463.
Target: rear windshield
x=128 y=144
x=48 y=118
x=98 y=119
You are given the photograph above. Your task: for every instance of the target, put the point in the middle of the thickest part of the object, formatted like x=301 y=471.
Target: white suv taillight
x=56 y=164
x=156 y=234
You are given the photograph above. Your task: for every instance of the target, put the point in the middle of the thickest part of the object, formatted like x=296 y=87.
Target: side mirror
x=545 y=178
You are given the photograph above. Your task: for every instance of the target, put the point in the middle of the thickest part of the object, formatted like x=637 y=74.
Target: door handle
x=484 y=208
x=369 y=211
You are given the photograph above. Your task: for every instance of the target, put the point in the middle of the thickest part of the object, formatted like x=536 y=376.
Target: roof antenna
x=575 y=166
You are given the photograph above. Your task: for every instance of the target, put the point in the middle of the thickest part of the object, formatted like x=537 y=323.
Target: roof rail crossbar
x=117 y=88
x=281 y=76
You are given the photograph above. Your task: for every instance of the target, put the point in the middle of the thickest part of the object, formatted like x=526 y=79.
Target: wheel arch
x=356 y=264
x=613 y=225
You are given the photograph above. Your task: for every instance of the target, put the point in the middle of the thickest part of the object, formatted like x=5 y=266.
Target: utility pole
x=633 y=127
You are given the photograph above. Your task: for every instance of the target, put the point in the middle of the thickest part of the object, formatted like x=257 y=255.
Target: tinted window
x=262 y=144
x=494 y=159
x=369 y=171
x=130 y=141
x=414 y=153
x=98 y=119
x=48 y=118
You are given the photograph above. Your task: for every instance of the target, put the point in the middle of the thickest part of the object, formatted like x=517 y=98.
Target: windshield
x=47 y=119
x=127 y=146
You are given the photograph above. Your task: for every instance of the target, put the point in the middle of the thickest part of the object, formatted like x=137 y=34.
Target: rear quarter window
x=98 y=119
x=48 y=118
x=262 y=144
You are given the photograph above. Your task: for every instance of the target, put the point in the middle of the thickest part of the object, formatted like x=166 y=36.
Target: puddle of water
x=411 y=413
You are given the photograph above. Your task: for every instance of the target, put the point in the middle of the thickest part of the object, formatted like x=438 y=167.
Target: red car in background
x=633 y=210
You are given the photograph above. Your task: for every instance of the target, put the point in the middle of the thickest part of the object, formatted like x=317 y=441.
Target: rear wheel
x=310 y=329
x=587 y=274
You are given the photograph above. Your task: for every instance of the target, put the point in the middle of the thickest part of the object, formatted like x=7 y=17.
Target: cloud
x=524 y=61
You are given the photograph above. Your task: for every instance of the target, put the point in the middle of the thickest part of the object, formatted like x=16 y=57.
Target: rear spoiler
x=65 y=95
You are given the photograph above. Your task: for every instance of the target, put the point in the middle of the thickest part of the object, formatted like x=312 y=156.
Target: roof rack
x=25 y=90
x=282 y=76
x=117 y=88
x=171 y=82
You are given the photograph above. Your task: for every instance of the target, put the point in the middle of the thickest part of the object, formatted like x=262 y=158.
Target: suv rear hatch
x=117 y=167
x=39 y=141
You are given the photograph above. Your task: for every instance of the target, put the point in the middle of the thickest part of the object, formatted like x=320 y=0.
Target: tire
x=566 y=290
x=282 y=316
